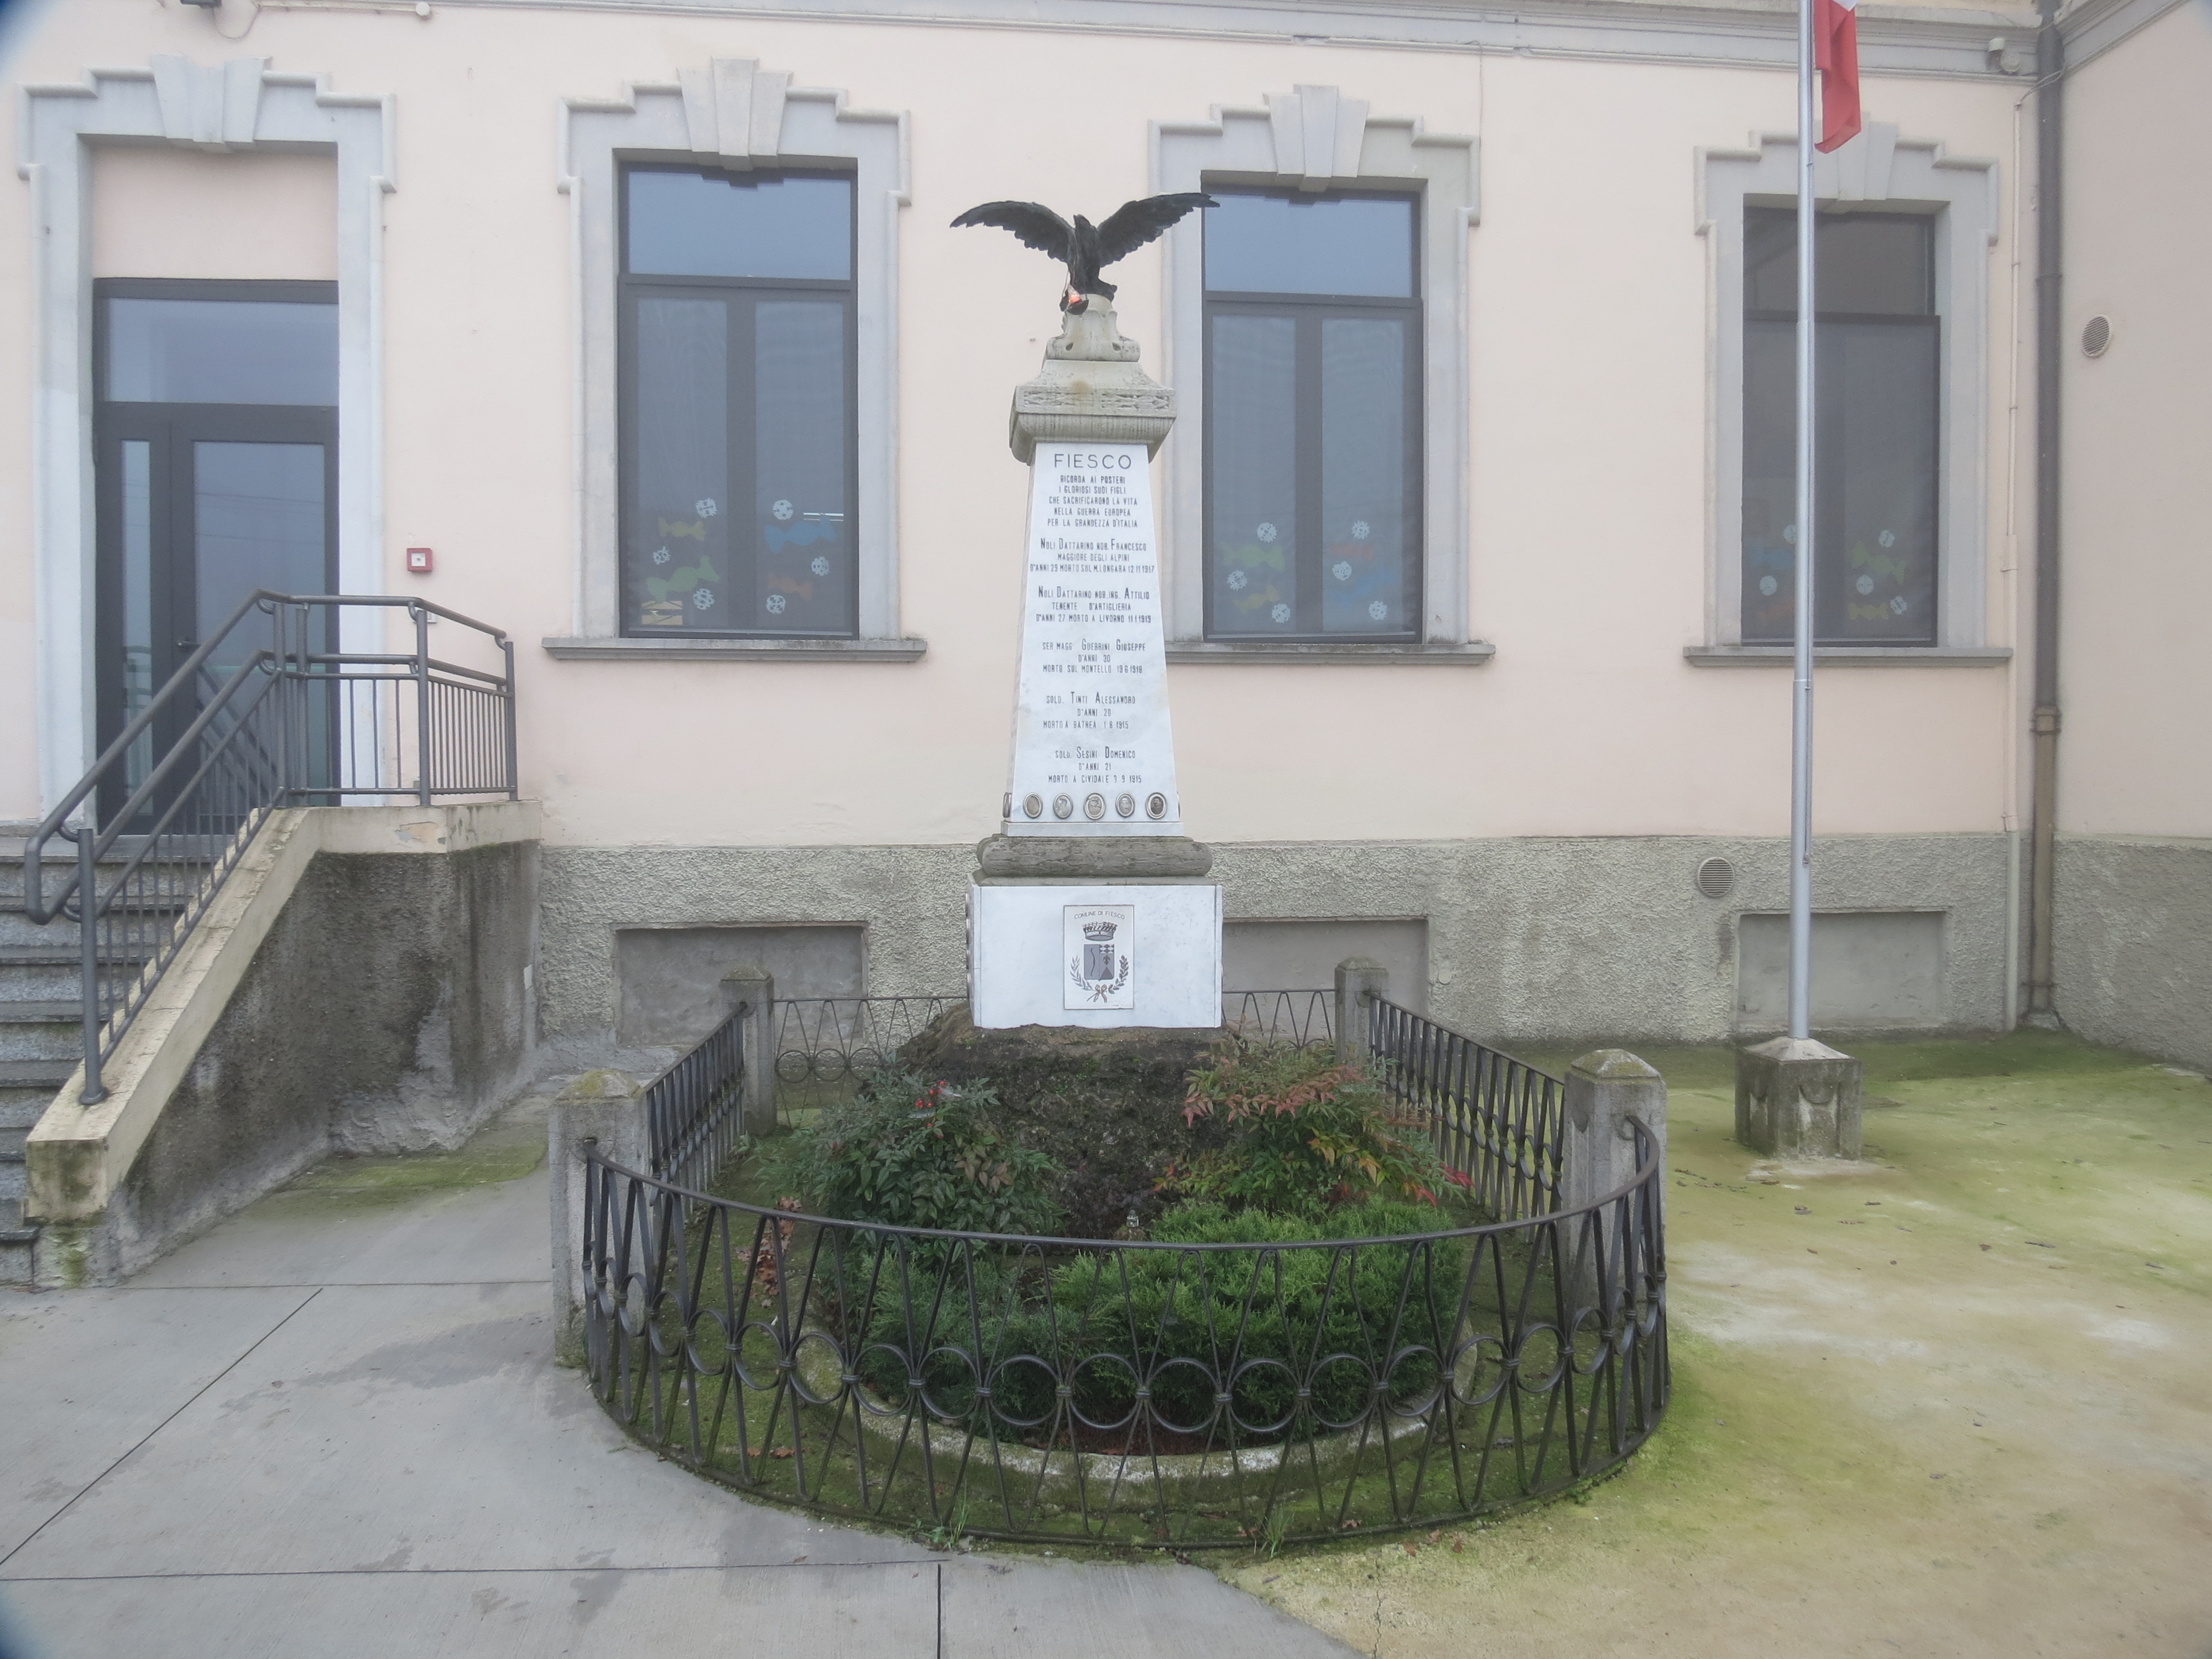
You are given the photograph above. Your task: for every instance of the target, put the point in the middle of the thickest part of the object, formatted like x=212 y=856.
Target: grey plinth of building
x=1092 y=858
x=1607 y=1088
x=751 y=991
x=1360 y=982
x=1796 y=1098
x=1089 y=390
x=601 y=1108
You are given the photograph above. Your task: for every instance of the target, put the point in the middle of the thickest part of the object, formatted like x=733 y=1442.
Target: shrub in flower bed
x=1298 y=1339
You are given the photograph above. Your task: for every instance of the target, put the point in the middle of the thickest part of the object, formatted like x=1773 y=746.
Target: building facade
x=647 y=321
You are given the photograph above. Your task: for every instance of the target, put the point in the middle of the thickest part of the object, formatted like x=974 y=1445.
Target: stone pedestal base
x=1795 y=1098
x=1098 y=954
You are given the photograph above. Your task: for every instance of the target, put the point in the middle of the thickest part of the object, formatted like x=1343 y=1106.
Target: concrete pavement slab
x=1026 y=1608
x=794 y=1613
x=322 y=1232
x=89 y=1375
x=417 y=1426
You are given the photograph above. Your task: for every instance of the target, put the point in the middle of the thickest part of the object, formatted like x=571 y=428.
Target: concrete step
x=52 y=953
x=47 y=1041
x=17 y=1241
x=41 y=1010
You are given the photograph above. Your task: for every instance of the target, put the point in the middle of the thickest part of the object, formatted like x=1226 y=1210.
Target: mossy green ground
x=508 y=1148
x=1957 y=1399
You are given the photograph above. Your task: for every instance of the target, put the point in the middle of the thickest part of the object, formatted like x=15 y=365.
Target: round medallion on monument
x=1125 y=805
x=1156 y=806
x=1033 y=806
x=1062 y=807
x=1094 y=807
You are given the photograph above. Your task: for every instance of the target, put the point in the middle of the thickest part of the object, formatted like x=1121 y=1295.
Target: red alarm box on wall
x=418 y=561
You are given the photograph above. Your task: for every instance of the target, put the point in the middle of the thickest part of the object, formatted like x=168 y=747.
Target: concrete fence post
x=1605 y=1088
x=602 y=1106
x=1359 y=981
x=754 y=989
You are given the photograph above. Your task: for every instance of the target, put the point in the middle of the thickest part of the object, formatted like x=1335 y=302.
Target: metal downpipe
x=2050 y=108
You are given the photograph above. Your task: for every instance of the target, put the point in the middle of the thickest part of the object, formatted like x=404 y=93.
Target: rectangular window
x=737 y=403
x=1313 y=439
x=1875 y=475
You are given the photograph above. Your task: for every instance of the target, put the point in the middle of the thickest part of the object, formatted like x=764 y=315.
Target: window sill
x=1850 y=656
x=1472 y=654
x=713 y=650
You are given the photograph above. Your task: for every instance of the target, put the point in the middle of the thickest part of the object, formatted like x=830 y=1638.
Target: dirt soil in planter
x=1107 y=1105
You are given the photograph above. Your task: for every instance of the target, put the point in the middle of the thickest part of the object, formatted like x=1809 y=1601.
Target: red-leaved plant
x=1305 y=1134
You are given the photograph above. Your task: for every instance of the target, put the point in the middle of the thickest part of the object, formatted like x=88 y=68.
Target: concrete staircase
x=40 y=1046
x=40 y=1039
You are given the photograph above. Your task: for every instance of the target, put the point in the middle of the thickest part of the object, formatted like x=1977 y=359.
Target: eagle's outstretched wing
x=1037 y=226
x=1135 y=223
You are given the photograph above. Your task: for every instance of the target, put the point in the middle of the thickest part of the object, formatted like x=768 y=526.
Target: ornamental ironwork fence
x=694 y=1111
x=1497 y=1120
x=1147 y=1393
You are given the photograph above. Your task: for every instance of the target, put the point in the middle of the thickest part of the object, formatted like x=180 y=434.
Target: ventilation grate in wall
x=1716 y=879
x=2096 y=337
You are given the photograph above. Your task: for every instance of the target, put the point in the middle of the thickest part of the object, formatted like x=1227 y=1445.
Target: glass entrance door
x=216 y=474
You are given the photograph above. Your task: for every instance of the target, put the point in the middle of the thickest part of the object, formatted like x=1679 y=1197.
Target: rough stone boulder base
x=1106 y=1105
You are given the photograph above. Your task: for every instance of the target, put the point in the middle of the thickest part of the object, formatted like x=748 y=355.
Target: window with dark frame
x=737 y=377
x=1877 y=379
x=1313 y=416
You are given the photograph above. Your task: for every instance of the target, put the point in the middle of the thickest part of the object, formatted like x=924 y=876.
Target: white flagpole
x=1800 y=730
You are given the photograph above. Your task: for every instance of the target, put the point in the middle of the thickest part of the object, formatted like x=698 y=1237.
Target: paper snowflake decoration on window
x=1377 y=609
x=707 y=508
x=1359 y=530
x=775 y=604
x=660 y=555
x=1341 y=570
x=1237 y=579
x=781 y=511
x=1281 y=613
x=1267 y=532
x=1768 y=587
x=820 y=566
x=1866 y=584
x=1898 y=606
x=1888 y=538
x=703 y=598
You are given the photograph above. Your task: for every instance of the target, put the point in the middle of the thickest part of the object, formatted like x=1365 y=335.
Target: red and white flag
x=1836 y=55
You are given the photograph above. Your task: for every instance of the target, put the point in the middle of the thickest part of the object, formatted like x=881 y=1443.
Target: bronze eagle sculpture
x=1084 y=248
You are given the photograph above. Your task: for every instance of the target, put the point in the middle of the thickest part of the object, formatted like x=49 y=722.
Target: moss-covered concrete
x=505 y=1149
x=1951 y=1400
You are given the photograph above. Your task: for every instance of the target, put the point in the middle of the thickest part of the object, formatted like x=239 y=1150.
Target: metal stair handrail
x=288 y=722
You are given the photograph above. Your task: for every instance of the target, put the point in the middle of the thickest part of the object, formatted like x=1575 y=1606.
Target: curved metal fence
x=1144 y=1394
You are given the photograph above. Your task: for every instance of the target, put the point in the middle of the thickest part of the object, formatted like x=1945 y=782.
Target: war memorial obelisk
x=1091 y=907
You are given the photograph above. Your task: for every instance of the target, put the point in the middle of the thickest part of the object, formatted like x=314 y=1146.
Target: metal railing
x=1497 y=1120
x=242 y=728
x=694 y=1111
x=1148 y=1394
x=834 y=1040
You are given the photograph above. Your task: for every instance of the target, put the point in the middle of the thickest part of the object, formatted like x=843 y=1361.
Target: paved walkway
x=333 y=1427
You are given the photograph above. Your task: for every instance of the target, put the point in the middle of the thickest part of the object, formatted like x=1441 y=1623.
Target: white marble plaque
x=1094 y=754
x=1039 y=954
